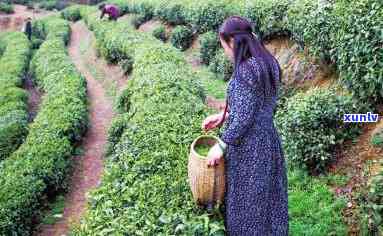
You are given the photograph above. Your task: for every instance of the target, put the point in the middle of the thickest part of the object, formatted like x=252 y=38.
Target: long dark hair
x=247 y=45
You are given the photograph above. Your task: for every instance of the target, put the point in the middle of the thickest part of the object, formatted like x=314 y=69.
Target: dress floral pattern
x=256 y=200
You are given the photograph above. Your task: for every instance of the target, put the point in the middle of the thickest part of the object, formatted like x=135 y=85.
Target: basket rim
x=192 y=146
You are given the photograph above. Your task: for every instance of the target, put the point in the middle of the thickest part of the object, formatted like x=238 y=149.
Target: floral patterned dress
x=256 y=200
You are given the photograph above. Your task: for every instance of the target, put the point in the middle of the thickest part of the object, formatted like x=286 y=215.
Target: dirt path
x=352 y=161
x=88 y=168
x=15 y=21
x=111 y=76
x=34 y=97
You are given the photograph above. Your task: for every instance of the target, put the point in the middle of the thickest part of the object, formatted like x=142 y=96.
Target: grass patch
x=313 y=210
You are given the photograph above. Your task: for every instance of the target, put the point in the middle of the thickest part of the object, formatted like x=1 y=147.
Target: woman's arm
x=248 y=97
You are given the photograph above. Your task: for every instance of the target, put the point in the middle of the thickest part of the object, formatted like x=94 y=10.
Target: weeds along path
x=87 y=168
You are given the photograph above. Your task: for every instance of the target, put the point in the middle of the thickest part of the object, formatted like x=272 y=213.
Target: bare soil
x=150 y=25
x=34 y=97
x=192 y=54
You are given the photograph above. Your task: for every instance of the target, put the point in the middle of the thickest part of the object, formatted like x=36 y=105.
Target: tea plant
x=160 y=33
x=71 y=13
x=209 y=46
x=171 y=12
x=162 y=109
x=347 y=34
x=311 y=124
x=13 y=99
x=340 y=32
x=182 y=37
x=40 y=164
x=221 y=65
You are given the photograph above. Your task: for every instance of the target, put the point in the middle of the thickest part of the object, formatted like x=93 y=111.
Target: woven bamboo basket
x=207 y=183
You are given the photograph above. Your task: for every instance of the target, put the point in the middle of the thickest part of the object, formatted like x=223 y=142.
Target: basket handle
x=214 y=197
x=214 y=194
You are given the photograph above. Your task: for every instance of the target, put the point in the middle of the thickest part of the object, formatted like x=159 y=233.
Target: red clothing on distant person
x=112 y=10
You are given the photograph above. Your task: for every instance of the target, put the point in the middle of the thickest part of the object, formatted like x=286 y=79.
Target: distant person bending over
x=112 y=10
x=28 y=28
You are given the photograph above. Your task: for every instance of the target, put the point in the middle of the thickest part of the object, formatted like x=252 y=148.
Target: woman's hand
x=214 y=156
x=212 y=121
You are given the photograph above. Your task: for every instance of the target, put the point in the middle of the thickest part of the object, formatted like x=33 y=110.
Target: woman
x=109 y=9
x=256 y=193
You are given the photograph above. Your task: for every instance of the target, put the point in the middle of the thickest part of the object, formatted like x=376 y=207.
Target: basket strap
x=214 y=197
x=223 y=116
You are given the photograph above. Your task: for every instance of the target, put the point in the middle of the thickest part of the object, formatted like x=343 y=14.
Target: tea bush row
x=39 y=167
x=144 y=189
x=295 y=16
x=13 y=99
x=149 y=143
x=181 y=37
x=6 y=8
x=346 y=33
x=311 y=125
x=331 y=132
x=221 y=65
x=53 y=4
